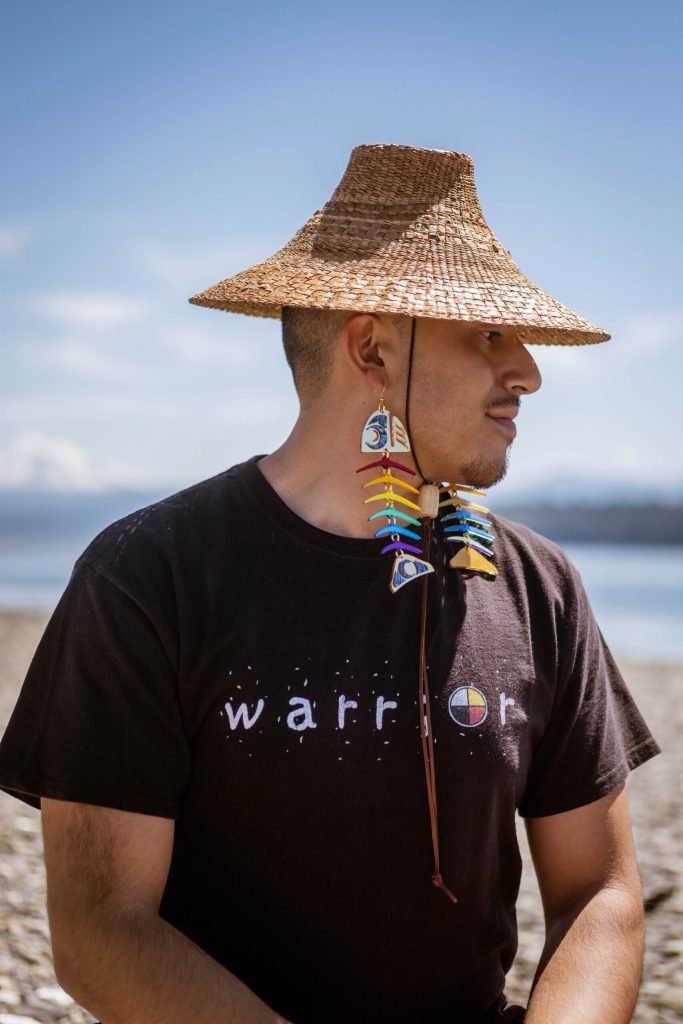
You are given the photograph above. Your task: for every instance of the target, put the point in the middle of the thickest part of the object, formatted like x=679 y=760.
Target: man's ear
x=363 y=340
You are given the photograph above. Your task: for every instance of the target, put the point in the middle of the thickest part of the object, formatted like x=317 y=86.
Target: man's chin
x=483 y=473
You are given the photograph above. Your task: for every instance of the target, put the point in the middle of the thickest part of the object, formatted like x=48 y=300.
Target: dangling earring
x=469 y=529
x=384 y=432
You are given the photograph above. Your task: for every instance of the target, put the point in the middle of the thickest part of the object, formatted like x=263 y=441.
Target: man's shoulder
x=523 y=538
x=161 y=531
x=527 y=552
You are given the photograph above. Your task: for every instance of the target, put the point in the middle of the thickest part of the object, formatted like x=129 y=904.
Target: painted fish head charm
x=384 y=432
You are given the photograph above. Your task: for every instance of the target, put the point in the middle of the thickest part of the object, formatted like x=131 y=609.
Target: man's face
x=464 y=375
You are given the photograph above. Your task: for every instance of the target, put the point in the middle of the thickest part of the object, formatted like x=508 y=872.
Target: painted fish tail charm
x=383 y=432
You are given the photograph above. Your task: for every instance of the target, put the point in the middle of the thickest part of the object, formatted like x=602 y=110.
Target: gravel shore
x=28 y=989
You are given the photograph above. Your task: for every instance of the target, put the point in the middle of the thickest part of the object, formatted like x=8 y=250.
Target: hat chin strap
x=410 y=374
x=430 y=495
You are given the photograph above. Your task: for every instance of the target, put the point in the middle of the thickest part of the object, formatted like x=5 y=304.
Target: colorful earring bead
x=385 y=433
x=468 y=528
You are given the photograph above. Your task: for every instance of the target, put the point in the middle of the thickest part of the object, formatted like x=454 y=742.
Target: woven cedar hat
x=403 y=233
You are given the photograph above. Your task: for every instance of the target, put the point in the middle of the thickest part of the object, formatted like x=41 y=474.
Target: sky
x=151 y=150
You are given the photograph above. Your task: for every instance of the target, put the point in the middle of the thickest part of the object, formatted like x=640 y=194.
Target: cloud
x=635 y=339
x=118 y=338
x=192 y=269
x=211 y=347
x=81 y=407
x=568 y=360
x=647 y=334
x=93 y=311
x=254 y=409
x=36 y=460
x=591 y=472
x=132 y=357
x=80 y=356
x=247 y=406
x=13 y=239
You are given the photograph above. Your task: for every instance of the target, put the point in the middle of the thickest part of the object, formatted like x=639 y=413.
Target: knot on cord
x=438 y=881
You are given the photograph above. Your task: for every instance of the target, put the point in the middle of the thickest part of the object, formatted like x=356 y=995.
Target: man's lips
x=505 y=422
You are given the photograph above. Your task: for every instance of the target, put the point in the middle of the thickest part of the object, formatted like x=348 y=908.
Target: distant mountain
x=614 y=523
x=563 y=489
x=30 y=514
x=32 y=461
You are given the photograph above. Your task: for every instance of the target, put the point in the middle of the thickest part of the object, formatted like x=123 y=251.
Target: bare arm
x=590 y=969
x=106 y=872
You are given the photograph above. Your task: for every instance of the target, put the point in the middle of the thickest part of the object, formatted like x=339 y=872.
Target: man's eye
x=490 y=335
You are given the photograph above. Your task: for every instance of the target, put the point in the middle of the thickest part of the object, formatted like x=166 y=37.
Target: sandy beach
x=29 y=991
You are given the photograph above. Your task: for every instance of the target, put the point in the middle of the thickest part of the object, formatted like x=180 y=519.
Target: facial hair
x=485 y=473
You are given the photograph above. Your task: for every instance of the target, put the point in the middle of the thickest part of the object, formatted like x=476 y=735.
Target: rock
x=672 y=999
x=12 y=1018
x=54 y=994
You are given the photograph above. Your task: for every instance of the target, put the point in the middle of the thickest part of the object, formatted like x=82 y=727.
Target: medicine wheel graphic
x=467 y=706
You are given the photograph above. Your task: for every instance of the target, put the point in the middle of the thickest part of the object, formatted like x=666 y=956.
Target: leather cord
x=424 y=709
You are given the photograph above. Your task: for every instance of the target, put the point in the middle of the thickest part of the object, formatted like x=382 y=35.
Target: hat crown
x=390 y=195
x=385 y=175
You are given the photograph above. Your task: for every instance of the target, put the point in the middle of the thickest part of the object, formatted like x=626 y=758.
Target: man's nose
x=520 y=369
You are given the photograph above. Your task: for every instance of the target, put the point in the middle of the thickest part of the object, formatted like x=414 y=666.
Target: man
x=223 y=724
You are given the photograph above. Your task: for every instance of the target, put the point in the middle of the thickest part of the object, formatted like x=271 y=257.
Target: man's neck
x=314 y=473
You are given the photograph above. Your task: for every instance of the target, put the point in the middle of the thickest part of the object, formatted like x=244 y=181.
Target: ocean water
x=636 y=591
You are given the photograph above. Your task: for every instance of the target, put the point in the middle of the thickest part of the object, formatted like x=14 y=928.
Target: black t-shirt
x=218 y=660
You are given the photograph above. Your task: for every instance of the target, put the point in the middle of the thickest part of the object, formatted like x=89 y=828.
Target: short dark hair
x=308 y=338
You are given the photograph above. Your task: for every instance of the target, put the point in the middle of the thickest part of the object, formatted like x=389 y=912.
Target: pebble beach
x=29 y=991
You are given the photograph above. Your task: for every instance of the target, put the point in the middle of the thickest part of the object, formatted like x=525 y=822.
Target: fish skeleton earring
x=468 y=528
x=383 y=432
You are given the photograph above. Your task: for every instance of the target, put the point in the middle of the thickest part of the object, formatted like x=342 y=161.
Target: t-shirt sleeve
x=595 y=734
x=98 y=718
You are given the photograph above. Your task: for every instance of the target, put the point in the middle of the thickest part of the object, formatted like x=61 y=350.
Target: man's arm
x=106 y=872
x=590 y=969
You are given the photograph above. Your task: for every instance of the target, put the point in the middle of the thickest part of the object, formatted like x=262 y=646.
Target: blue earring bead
x=469 y=531
x=401 y=530
x=384 y=432
x=464 y=517
x=395 y=513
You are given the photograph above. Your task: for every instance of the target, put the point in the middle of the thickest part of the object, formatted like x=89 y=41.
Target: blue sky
x=151 y=150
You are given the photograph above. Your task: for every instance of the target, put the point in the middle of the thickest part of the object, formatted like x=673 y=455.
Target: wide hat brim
x=403 y=234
